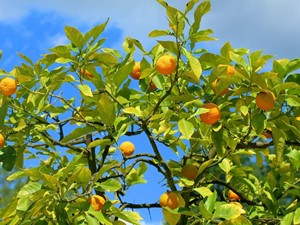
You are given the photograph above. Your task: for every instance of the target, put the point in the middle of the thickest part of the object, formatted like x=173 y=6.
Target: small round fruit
x=265 y=100
x=8 y=86
x=127 y=148
x=166 y=64
x=136 y=71
x=189 y=171
x=232 y=196
x=2 y=141
x=169 y=199
x=212 y=116
x=96 y=202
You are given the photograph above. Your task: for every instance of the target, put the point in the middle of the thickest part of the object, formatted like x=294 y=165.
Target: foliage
x=72 y=124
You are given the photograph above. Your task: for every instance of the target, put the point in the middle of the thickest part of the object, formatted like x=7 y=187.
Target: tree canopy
x=231 y=118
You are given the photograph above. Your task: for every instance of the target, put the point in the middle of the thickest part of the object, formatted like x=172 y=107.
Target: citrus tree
x=230 y=118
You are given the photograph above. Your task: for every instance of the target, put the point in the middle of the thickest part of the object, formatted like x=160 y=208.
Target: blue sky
x=32 y=26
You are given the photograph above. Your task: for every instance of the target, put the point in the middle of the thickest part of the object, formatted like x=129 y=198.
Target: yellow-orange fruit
x=230 y=70
x=96 y=202
x=86 y=73
x=166 y=64
x=232 y=196
x=127 y=148
x=212 y=116
x=169 y=199
x=8 y=86
x=267 y=134
x=189 y=171
x=136 y=71
x=2 y=141
x=265 y=100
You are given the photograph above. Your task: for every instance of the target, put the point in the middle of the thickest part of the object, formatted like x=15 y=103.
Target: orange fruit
x=8 y=86
x=233 y=196
x=189 y=171
x=230 y=70
x=212 y=116
x=267 y=133
x=2 y=141
x=136 y=71
x=127 y=148
x=169 y=199
x=96 y=202
x=86 y=73
x=166 y=64
x=265 y=100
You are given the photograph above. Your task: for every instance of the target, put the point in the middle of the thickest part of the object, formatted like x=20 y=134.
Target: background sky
x=33 y=26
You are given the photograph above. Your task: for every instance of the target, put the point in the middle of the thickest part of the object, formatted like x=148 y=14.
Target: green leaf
x=29 y=189
x=85 y=90
x=293 y=65
x=100 y=142
x=8 y=158
x=210 y=202
x=287 y=219
x=217 y=138
x=258 y=122
x=99 y=216
x=287 y=86
x=25 y=58
x=95 y=32
x=239 y=60
x=111 y=185
x=186 y=128
x=158 y=33
x=194 y=63
x=279 y=143
x=170 y=46
x=203 y=191
x=75 y=36
x=3 y=110
x=204 y=212
x=107 y=109
x=228 y=211
x=200 y=11
x=106 y=59
x=132 y=110
x=61 y=214
x=239 y=220
x=122 y=74
x=296 y=219
x=78 y=132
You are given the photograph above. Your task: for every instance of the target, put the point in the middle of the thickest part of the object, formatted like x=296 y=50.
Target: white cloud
x=271 y=25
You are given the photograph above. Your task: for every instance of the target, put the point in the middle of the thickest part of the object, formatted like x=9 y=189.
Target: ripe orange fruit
x=169 y=199
x=230 y=70
x=87 y=73
x=166 y=64
x=127 y=148
x=267 y=133
x=265 y=100
x=8 y=86
x=233 y=196
x=189 y=171
x=96 y=202
x=136 y=71
x=212 y=116
x=2 y=141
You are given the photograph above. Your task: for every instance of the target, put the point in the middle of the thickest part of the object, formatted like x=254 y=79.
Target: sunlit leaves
x=106 y=109
x=75 y=36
